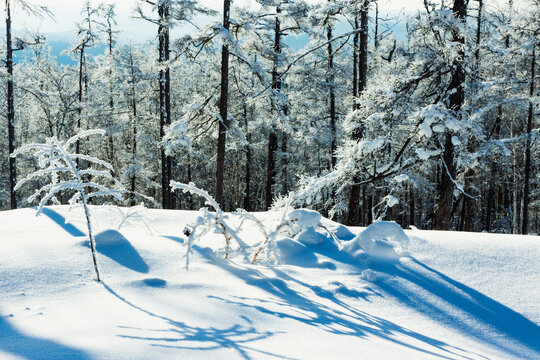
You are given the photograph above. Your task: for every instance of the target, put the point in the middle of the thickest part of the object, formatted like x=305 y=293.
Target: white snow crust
x=451 y=295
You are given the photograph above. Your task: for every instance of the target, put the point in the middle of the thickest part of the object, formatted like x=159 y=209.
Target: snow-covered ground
x=455 y=296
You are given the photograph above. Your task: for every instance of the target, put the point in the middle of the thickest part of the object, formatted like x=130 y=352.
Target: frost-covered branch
x=58 y=164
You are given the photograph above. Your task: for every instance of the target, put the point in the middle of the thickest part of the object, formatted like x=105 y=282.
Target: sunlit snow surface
x=453 y=296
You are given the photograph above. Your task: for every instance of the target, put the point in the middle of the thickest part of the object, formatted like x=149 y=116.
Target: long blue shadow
x=116 y=247
x=340 y=319
x=180 y=335
x=15 y=342
x=61 y=221
x=477 y=306
x=174 y=238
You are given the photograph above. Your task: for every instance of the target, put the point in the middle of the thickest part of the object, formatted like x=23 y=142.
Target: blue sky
x=67 y=13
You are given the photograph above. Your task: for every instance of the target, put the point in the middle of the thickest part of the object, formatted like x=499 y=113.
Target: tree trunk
x=466 y=213
x=271 y=168
x=285 y=163
x=164 y=103
x=332 y=94
x=353 y=217
x=526 y=195
x=247 y=165
x=412 y=205
x=10 y=110
x=223 y=124
x=272 y=137
x=489 y=203
x=443 y=208
x=111 y=100
x=80 y=98
x=134 y=125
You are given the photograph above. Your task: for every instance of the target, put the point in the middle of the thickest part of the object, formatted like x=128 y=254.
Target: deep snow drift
x=387 y=294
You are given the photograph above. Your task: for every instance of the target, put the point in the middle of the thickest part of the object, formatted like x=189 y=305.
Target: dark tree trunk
x=443 y=208
x=247 y=165
x=134 y=125
x=353 y=217
x=164 y=103
x=489 y=203
x=80 y=97
x=10 y=110
x=223 y=124
x=526 y=181
x=272 y=137
x=111 y=100
x=332 y=91
x=285 y=162
x=271 y=168
x=412 y=205
x=355 y=63
x=466 y=211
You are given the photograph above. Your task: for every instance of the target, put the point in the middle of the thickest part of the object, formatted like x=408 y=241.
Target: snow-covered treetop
x=58 y=161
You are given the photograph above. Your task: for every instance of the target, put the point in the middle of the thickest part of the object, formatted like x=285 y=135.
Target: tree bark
x=80 y=97
x=164 y=103
x=353 y=217
x=223 y=124
x=330 y=80
x=247 y=165
x=526 y=181
x=111 y=100
x=272 y=137
x=134 y=126
x=10 y=110
x=443 y=208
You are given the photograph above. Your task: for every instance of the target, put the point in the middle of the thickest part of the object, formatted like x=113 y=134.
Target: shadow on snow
x=15 y=342
x=182 y=335
x=116 y=247
x=482 y=318
x=61 y=221
x=110 y=243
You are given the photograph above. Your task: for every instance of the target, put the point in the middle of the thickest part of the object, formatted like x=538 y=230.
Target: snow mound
x=341 y=232
x=310 y=236
x=305 y=217
x=382 y=240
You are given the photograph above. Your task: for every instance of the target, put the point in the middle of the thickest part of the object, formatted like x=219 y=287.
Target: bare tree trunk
x=111 y=100
x=526 y=200
x=443 y=208
x=411 y=205
x=134 y=125
x=355 y=64
x=330 y=80
x=10 y=110
x=489 y=204
x=247 y=165
x=271 y=167
x=353 y=217
x=285 y=163
x=223 y=124
x=164 y=103
x=272 y=137
x=80 y=97
x=466 y=213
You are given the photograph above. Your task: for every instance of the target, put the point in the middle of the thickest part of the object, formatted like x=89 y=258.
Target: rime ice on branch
x=57 y=161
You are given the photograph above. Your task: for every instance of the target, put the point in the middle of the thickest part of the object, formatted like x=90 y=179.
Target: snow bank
x=305 y=218
x=382 y=240
x=310 y=236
